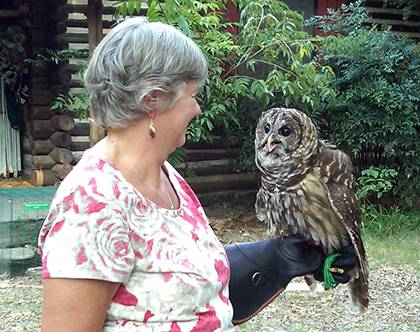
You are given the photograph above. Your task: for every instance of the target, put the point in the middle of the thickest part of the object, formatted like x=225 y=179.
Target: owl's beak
x=272 y=143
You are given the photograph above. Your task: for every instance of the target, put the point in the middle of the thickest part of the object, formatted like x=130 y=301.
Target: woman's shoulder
x=91 y=177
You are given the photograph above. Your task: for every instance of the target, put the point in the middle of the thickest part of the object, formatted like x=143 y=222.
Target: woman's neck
x=136 y=154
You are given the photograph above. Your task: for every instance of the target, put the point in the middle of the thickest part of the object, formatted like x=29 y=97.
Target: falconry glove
x=261 y=270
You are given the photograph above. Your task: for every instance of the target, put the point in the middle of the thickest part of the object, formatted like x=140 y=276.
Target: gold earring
x=152 y=129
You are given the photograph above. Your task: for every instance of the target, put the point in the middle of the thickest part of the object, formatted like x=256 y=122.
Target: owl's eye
x=267 y=128
x=285 y=131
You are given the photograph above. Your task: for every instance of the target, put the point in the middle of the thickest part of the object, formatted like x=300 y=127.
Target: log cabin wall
x=46 y=140
x=403 y=23
x=76 y=37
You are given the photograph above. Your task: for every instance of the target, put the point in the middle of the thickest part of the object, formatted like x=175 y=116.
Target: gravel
x=394 y=296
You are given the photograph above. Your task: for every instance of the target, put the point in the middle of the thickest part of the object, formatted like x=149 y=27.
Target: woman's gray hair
x=135 y=58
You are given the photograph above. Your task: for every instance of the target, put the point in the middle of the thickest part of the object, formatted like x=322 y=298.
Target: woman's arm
x=76 y=305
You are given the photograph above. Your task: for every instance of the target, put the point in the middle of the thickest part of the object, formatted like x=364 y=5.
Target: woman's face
x=174 y=121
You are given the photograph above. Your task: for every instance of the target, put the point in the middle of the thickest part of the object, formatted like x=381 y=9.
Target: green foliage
x=375 y=181
x=377 y=77
x=381 y=222
x=76 y=103
x=48 y=56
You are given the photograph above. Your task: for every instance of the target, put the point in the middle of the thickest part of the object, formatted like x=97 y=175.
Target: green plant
x=380 y=222
x=375 y=116
x=76 y=103
x=375 y=181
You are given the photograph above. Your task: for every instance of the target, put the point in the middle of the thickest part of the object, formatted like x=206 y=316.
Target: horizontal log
x=41 y=81
x=57 y=2
x=212 y=183
x=64 y=75
x=40 y=113
x=60 y=13
x=40 y=97
x=217 y=142
x=76 y=84
x=71 y=68
x=59 y=89
x=62 y=155
x=43 y=178
x=38 y=162
x=77 y=155
x=408 y=34
x=40 y=37
x=61 y=139
x=394 y=22
x=228 y=196
x=83 y=9
x=396 y=11
x=62 y=122
x=65 y=38
x=206 y=154
x=8 y=13
x=73 y=23
x=80 y=143
x=41 y=129
x=42 y=147
x=81 y=129
x=207 y=167
x=61 y=27
x=61 y=170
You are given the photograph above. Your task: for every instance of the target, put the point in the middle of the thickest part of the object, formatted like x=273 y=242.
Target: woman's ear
x=153 y=100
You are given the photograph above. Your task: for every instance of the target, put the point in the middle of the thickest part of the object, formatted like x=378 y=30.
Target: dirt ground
x=394 y=293
x=14 y=183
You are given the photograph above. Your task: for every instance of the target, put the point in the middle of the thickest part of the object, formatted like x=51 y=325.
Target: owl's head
x=284 y=137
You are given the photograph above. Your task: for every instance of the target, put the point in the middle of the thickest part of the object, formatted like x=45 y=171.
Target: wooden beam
x=396 y=11
x=95 y=28
x=394 y=22
x=8 y=13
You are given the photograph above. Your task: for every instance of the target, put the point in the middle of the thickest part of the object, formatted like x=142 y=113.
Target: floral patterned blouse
x=173 y=270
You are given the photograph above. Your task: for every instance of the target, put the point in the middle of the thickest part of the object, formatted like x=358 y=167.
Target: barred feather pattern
x=308 y=188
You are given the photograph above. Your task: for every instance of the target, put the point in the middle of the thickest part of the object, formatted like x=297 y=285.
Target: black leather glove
x=261 y=270
x=341 y=264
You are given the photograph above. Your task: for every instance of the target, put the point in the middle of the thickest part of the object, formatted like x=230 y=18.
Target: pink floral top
x=173 y=270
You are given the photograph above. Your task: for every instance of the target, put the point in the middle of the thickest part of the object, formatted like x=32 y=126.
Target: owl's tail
x=359 y=292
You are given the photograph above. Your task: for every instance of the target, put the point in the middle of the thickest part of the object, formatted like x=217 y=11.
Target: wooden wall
x=390 y=14
x=46 y=139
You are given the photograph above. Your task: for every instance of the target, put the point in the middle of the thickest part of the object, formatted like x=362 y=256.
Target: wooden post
x=95 y=29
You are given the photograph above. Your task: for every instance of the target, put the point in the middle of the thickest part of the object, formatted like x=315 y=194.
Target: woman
x=126 y=245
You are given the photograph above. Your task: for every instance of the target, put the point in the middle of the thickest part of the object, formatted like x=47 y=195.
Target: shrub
x=375 y=116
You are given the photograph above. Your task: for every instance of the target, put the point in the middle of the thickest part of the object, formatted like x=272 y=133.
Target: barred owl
x=308 y=188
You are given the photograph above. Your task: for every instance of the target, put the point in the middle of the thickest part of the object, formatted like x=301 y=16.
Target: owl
x=308 y=189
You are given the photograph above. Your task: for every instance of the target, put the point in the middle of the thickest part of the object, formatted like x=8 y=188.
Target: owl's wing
x=336 y=170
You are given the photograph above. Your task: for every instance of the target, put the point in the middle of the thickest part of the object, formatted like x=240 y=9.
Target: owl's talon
x=336 y=270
